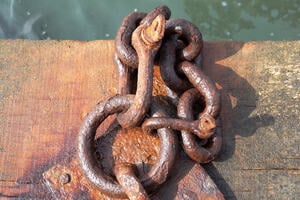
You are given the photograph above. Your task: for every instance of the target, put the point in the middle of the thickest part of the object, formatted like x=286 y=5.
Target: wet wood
x=47 y=87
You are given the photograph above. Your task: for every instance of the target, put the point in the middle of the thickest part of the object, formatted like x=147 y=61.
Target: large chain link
x=175 y=45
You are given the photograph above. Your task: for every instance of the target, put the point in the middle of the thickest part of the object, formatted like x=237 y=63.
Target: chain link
x=175 y=45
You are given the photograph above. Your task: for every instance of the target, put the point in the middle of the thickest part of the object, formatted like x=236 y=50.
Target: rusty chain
x=175 y=45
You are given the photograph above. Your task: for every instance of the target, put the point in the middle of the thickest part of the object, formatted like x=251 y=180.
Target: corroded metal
x=86 y=148
x=126 y=176
x=146 y=39
x=124 y=49
x=204 y=86
x=203 y=128
x=175 y=44
x=174 y=50
x=184 y=173
x=188 y=32
x=206 y=150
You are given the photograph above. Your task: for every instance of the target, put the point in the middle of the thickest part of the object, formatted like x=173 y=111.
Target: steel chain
x=175 y=45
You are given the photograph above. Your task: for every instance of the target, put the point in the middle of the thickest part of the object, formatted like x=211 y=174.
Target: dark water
x=99 y=19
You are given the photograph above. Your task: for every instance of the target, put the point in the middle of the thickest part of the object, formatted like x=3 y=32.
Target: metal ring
x=127 y=77
x=193 y=149
x=168 y=62
x=88 y=163
x=190 y=33
x=160 y=10
x=205 y=86
x=124 y=49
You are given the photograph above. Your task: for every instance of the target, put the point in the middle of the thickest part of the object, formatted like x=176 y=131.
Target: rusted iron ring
x=167 y=62
x=210 y=148
x=205 y=87
x=160 y=10
x=86 y=147
x=188 y=32
x=124 y=49
x=146 y=40
x=175 y=50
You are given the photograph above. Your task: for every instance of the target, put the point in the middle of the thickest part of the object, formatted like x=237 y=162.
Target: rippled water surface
x=99 y=19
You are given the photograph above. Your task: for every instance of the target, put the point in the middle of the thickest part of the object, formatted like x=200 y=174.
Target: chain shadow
x=239 y=100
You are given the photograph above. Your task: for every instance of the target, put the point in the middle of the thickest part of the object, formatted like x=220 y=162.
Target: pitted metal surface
x=175 y=45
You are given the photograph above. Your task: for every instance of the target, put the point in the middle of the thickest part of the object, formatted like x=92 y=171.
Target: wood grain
x=47 y=87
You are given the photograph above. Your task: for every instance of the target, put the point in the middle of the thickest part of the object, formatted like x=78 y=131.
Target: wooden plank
x=47 y=87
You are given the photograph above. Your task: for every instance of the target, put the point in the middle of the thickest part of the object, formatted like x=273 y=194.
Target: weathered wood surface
x=47 y=87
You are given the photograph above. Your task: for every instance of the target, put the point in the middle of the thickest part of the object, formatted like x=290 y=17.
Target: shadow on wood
x=239 y=100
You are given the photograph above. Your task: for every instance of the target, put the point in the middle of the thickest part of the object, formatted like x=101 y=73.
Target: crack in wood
x=271 y=169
